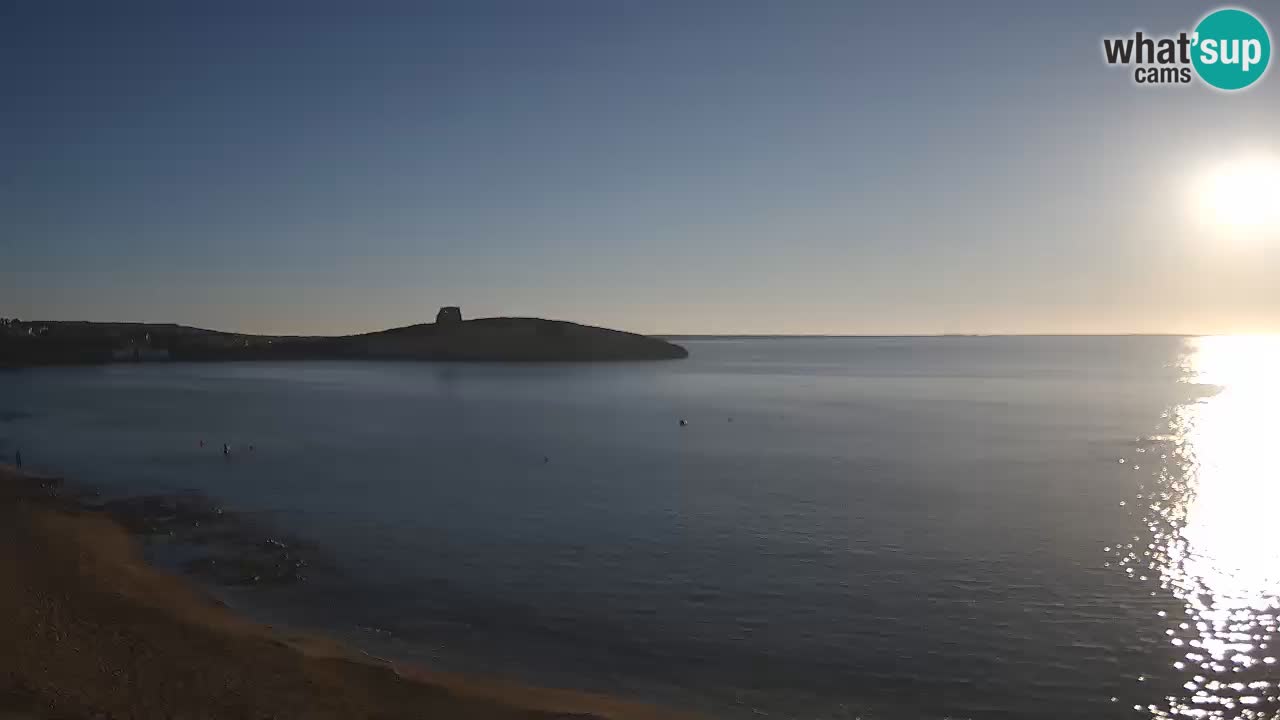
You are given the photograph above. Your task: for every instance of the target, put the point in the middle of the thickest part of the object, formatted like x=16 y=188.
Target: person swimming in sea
x=226 y=449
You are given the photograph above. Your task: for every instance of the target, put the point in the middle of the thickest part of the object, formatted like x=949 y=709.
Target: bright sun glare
x=1242 y=196
x=1213 y=523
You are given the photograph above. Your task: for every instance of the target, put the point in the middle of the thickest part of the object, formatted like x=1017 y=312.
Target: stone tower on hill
x=449 y=315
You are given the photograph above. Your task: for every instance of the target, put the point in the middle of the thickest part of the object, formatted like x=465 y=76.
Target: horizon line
x=711 y=335
x=748 y=336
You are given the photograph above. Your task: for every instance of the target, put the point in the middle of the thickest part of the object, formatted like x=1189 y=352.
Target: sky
x=689 y=167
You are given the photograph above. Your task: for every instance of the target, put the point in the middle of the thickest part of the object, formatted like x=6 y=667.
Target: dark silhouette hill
x=508 y=339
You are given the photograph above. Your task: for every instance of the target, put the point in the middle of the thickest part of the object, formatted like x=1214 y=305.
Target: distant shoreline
x=501 y=339
x=678 y=336
x=90 y=629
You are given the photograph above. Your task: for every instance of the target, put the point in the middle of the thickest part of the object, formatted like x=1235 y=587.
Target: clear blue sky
x=684 y=167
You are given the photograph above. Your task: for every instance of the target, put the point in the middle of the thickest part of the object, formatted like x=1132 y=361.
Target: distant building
x=449 y=315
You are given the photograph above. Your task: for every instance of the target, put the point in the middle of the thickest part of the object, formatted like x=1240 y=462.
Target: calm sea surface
x=871 y=527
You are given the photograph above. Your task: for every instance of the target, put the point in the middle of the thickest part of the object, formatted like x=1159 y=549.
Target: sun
x=1242 y=195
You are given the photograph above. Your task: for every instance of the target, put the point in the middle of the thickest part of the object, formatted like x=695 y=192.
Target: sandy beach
x=92 y=631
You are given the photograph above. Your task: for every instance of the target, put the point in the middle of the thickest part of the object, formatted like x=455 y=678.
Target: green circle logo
x=1232 y=49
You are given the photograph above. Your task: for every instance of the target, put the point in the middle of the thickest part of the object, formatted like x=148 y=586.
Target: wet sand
x=89 y=630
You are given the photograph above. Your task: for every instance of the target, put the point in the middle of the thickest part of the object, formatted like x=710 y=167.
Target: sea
x=777 y=527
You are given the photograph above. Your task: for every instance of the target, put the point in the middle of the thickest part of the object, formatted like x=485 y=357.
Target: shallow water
x=873 y=527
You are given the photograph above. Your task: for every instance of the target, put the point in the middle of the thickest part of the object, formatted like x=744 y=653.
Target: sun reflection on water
x=1214 y=520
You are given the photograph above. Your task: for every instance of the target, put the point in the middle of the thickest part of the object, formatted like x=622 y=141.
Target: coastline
x=93 y=630
x=495 y=339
